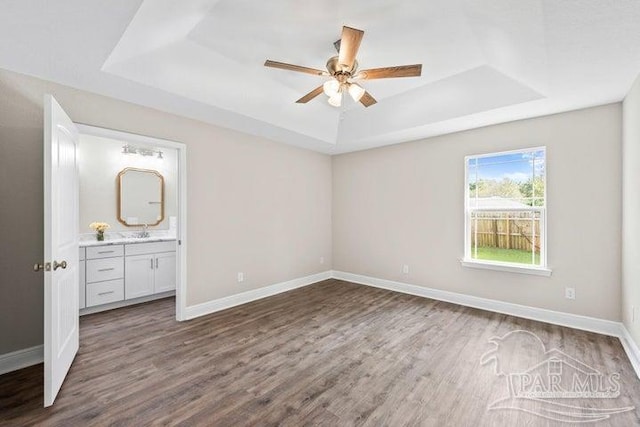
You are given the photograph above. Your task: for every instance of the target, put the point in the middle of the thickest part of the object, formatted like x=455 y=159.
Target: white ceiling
x=485 y=61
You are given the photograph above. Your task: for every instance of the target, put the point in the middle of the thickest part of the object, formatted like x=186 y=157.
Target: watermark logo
x=550 y=383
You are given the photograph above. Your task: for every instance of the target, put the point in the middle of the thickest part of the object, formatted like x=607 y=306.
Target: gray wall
x=631 y=212
x=254 y=205
x=404 y=204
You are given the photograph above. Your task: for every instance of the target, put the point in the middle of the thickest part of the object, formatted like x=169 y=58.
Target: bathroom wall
x=100 y=161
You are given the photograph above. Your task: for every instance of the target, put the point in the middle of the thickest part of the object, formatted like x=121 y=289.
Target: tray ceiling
x=485 y=61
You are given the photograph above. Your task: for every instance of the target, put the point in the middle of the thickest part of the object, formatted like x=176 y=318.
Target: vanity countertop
x=125 y=240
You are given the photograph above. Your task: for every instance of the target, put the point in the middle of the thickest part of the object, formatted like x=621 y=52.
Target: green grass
x=504 y=255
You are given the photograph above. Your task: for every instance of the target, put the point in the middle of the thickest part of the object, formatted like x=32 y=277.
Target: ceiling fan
x=343 y=70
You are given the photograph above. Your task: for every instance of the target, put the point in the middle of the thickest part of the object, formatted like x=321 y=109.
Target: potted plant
x=99 y=228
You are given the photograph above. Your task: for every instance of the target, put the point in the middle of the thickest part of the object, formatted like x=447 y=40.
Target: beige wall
x=100 y=161
x=254 y=205
x=631 y=211
x=404 y=205
x=271 y=210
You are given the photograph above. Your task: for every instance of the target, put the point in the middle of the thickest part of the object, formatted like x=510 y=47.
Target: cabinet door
x=165 y=272
x=82 y=284
x=138 y=276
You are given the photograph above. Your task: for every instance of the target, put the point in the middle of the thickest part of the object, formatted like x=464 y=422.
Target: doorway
x=137 y=185
x=62 y=265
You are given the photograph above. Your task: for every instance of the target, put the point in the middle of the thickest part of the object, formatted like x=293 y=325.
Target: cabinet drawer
x=95 y=252
x=99 y=270
x=150 y=248
x=105 y=292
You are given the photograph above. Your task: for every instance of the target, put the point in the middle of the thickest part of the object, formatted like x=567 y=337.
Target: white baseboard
x=631 y=348
x=21 y=359
x=592 y=324
x=209 y=307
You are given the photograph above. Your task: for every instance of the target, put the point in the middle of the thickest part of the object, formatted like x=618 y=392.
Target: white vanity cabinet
x=150 y=269
x=82 y=284
x=115 y=275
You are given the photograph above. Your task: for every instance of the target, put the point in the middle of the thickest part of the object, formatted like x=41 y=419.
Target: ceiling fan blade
x=308 y=97
x=367 y=100
x=291 y=67
x=391 y=72
x=349 y=45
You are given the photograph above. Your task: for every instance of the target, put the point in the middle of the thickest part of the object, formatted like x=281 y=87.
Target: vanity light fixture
x=146 y=152
x=128 y=149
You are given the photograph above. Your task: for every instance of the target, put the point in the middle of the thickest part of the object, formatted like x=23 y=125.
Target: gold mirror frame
x=119 y=181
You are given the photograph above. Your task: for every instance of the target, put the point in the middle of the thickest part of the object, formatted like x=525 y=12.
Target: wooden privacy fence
x=506 y=230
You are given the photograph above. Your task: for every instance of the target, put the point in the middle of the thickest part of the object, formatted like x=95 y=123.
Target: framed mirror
x=140 y=197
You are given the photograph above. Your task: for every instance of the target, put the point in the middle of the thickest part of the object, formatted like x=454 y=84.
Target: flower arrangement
x=99 y=228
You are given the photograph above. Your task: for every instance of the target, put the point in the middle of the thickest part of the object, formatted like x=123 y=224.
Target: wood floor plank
x=329 y=354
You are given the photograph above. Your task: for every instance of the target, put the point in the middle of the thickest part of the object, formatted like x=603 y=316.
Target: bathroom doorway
x=132 y=220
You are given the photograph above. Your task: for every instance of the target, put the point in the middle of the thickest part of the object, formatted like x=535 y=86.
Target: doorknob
x=46 y=267
x=57 y=264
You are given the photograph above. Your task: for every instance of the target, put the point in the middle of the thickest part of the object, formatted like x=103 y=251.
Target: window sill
x=537 y=271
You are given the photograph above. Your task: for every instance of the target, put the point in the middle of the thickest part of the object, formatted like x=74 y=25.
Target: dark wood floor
x=333 y=353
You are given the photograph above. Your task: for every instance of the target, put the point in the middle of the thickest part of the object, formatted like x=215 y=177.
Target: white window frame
x=468 y=261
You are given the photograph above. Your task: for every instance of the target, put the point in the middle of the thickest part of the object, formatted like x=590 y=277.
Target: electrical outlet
x=405 y=269
x=570 y=293
x=240 y=277
x=321 y=260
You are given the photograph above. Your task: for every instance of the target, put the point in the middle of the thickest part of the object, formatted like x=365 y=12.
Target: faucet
x=144 y=232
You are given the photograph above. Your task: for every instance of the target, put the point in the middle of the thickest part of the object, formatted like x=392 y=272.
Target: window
x=505 y=209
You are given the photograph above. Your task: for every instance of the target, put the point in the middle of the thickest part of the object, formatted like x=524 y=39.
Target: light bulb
x=331 y=87
x=336 y=100
x=356 y=91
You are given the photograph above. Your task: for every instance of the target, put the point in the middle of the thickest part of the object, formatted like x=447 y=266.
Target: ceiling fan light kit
x=342 y=70
x=356 y=91
x=331 y=87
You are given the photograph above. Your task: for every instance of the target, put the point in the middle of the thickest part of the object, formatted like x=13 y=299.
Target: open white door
x=61 y=275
